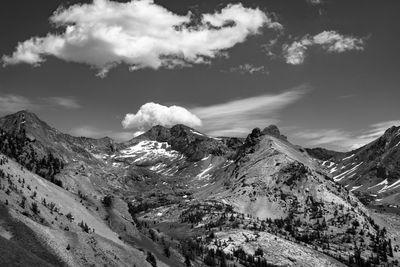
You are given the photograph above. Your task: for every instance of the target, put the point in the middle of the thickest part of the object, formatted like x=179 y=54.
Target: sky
x=324 y=71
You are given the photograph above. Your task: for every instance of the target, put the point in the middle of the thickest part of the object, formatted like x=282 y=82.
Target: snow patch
x=348 y=157
x=390 y=187
x=343 y=175
x=355 y=188
x=206 y=158
x=145 y=150
x=202 y=174
x=384 y=182
x=195 y=132
x=397 y=144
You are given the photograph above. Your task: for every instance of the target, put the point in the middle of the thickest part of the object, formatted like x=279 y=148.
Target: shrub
x=151 y=259
x=35 y=208
x=107 y=201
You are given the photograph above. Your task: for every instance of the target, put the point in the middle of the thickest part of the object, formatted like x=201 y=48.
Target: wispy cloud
x=249 y=69
x=341 y=139
x=66 y=102
x=377 y=129
x=315 y=2
x=238 y=117
x=330 y=41
x=141 y=34
x=93 y=132
x=232 y=118
x=10 y=103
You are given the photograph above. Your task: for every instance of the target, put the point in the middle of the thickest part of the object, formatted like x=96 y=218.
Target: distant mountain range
x=178 y=197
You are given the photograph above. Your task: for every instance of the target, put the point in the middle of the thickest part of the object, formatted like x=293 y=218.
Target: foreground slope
x=52 y=216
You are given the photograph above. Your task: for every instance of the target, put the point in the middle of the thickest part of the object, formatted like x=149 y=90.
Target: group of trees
x=195 y=248
x=18 y=147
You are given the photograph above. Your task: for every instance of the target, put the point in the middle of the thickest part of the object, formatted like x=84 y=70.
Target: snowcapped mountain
x=184 y=197
x=372 y=171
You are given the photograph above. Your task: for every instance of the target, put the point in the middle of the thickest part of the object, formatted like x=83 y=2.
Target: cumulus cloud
x=343 y=140
x=152 y=114
x=140 y=34
x=249 y=69
x=330 y=41
x=93 y=132
x=238 y=117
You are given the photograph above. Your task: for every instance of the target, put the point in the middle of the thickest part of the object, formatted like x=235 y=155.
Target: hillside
x=178 y=197
x=372 y=171
x=273 y=195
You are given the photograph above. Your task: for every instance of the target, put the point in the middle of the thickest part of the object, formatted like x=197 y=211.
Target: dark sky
x=344 y=98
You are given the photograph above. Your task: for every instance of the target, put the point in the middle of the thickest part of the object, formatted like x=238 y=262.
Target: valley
x=177 y=197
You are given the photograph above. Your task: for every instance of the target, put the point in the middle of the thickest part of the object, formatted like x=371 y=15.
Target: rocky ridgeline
x=193 y=144
x=372 y=171
x=188 y=199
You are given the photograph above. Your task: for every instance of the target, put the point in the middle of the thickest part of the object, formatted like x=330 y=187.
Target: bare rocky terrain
x=177 y=197
x=372 y=172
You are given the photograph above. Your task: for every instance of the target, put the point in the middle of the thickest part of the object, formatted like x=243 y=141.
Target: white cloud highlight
x=249 y=69
x=329 y=41
x=140 y=34
x=315 y=2
x=152 y=114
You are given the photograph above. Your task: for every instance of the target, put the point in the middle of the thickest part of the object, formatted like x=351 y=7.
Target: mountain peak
x=24 y=119
x=392 y=131
x=25 y=114
x=273 y=130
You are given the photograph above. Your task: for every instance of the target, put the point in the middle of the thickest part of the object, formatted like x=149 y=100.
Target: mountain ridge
x=198 y=195
x=372 y=170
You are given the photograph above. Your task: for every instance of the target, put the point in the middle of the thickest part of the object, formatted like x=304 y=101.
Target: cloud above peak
x=330 y=41
x=140 y=34
x=152 y=114
x=232 y=118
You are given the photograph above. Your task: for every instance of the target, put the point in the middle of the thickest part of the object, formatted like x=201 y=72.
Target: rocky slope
x=372 y=171
x=45 y=139
x=272 y=194
x=178 y=197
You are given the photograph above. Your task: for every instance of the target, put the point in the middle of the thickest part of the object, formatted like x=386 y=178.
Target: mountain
x=45 y=139
x=272 y=180
x=193 y=144
x=270 y=192
x=372 y=171
x=177 y=197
